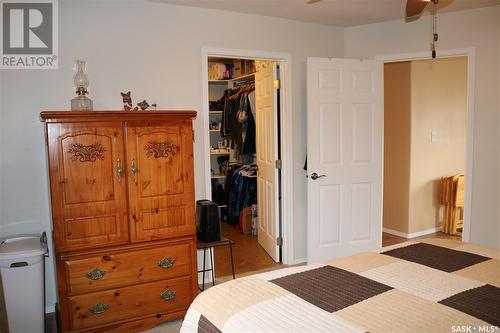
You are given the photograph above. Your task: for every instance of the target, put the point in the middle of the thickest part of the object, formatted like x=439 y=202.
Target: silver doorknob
x=315 y=176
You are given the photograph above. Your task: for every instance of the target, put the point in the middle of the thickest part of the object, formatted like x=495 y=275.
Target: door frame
x=286 y=117
x=470 y=53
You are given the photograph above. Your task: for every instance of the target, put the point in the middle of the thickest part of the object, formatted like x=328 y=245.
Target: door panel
x=88 y=194
x=267 y=154
x=345 y=137
x=161 y=190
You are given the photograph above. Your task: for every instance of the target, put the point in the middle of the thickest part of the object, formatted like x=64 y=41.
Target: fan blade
x=415 y=7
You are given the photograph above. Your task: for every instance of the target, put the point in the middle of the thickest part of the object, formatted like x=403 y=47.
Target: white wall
x=154 y=50
x=474 y=28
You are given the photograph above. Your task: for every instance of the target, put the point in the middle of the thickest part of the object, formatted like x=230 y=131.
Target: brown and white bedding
x=430 y=285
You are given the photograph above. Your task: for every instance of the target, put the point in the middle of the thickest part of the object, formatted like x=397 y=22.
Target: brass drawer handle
x=166 y=263
x=99 y=308
x=167 y=295
x=95 y=274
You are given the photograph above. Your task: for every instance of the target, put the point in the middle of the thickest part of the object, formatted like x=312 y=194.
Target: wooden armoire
x=122 y=195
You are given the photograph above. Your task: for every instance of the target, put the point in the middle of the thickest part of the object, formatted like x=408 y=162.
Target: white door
x=267 y=152
x=345 y=123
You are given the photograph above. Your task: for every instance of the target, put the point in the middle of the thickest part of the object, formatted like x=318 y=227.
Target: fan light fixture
x=414 y=8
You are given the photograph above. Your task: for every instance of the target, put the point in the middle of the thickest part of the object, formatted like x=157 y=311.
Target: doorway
x=250 y=203
x=427 y=150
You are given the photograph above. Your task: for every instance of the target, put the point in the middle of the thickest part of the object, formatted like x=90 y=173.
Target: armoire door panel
x=160 y=178
x=88 y=194
x=158 y=152
x=86 y=175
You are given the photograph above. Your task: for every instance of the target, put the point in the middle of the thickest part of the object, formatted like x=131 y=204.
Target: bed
x=429 y=285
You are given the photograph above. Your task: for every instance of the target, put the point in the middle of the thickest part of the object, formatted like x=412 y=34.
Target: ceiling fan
x=416 y=7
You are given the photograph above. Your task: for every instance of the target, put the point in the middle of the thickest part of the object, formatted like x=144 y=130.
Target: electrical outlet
x=434 y=136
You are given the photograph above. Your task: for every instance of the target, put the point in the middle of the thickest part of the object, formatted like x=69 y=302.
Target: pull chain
x=434 y=34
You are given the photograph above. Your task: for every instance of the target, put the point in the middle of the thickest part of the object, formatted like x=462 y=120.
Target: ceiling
x=342 y=13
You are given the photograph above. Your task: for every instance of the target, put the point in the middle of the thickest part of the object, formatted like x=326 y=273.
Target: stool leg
x=212 y=263
x=232 y=262
x=203 y=274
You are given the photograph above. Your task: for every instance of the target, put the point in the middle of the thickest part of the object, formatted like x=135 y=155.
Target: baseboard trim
x=413 y=234
x=300 y=261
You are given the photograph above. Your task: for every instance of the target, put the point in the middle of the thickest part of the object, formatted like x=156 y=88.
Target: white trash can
x=23 y=280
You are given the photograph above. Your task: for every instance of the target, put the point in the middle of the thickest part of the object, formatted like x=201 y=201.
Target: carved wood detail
x=85 y=153
x=161 y=149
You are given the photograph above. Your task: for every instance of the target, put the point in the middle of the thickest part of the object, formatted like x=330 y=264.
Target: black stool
x=202 y=245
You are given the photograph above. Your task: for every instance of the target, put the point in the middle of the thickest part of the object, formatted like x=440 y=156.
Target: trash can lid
x=21 y=246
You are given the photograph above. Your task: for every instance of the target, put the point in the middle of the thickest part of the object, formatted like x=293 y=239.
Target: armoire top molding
x=72 y=116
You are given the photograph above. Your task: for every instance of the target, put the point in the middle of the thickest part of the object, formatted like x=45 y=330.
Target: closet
x=243 y=141
x=122 y=195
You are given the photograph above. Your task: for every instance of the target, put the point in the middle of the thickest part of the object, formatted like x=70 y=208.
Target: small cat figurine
x=143 y=105
x=146 y=107
x=127 y=102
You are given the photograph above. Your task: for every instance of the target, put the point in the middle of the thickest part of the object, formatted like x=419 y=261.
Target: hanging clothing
x=242 y=191
x=231 y=107
x=251 y=101
x=238 y=126
x=245 y=138
x=238 y=120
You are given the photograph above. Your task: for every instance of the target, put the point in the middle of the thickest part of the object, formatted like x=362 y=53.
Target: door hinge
x=277 y=84
x=279 y=164
x=279 y=241
x=194 y=140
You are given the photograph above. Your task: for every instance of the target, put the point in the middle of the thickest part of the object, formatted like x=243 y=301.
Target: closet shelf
x=222 y=206
x=218 y=176
x=215 y=112
x=215 y=131
x=242 y=77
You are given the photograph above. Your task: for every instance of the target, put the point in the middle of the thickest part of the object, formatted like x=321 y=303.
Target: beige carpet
x=173 y=326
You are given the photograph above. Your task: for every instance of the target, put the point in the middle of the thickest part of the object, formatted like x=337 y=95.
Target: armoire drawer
x=117 y=304
x=119 y=269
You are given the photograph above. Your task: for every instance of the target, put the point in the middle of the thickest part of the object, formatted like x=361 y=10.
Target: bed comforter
x=430 y=285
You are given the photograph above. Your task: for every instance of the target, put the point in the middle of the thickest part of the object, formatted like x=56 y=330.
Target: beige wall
x=154 y=50
x=476 y=28
x=438 y=103
x=397 y=124
x=498 y=113
x=422 y=97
